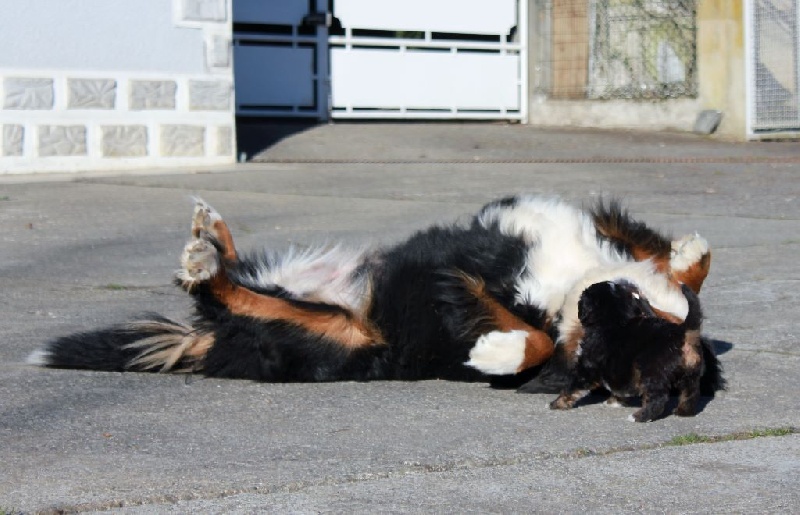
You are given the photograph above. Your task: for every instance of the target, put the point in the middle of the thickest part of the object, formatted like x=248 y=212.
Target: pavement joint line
x=419 y=469
x=545 y=160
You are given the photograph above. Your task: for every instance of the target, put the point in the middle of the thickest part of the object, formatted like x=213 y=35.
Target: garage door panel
x=424 y=80
x=458 y=16
x=289 y=78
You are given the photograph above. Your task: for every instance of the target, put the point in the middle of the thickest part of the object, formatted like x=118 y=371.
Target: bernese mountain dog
x=632 y=352
x=505 y=298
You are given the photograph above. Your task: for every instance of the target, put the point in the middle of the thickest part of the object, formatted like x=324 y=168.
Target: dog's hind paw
x=204 y=219
x=199 y=263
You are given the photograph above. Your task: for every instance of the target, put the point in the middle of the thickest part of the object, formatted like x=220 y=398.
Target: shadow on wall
x=255 y=135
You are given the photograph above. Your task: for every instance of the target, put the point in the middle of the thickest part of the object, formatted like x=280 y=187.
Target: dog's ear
x=591 y=302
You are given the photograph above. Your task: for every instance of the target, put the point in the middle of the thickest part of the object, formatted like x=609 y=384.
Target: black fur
x=633 y=352
x=108 y=349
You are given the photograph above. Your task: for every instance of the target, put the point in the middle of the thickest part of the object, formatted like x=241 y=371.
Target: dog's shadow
x=720 y=346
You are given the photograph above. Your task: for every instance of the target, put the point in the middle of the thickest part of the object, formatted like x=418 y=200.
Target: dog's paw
x=615 y=402
x=687 y=251
x=562 y=402
x=204 y=219
x=643 y=415
x=685 y=410
x=498 y=353
x=199 y=263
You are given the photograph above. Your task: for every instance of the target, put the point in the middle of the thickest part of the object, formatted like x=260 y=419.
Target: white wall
x=115 y=84
x=132 y=35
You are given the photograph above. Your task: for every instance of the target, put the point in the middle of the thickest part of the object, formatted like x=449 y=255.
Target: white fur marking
x=39 y=358
x=563 y=247
x=319 y=274
x=631 y=419
x=498 y=352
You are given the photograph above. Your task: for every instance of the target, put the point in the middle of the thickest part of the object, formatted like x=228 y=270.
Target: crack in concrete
x=422 y=469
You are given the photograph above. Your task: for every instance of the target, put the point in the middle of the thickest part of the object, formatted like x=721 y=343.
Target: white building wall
x=114 y=84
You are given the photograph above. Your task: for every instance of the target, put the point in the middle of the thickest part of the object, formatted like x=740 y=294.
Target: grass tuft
x=111 y=287
x=694 y=438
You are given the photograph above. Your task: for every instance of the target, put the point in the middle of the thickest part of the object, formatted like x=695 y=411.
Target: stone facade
x=13 y=139
x=25 y=93
x=204 y=10
x=224 y=141
x=64 y=119
x=210 y=95
x=91 y=93
x=124 y=141
x=152 y=94
x=183 y=140
x=62 y=140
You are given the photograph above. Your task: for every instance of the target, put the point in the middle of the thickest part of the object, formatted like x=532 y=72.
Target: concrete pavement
x=83 y=251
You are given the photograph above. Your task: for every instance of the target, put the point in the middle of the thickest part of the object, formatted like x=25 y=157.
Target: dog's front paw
x=498 y=353
x=563 y=401
x=685 y=410
x=644 y=415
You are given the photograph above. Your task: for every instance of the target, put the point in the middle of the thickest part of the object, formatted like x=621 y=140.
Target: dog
x=493 y=299
x=631 y=351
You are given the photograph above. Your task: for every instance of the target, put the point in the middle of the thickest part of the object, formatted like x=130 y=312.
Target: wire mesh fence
x=612 y=49
x=775 y=44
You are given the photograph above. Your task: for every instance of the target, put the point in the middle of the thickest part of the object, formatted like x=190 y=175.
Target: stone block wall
x=64 y=120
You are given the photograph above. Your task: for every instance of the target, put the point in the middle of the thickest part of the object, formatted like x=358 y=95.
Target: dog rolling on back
x=492 y=300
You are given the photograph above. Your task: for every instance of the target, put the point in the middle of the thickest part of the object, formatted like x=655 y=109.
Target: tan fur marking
x=174 y=345
x=669 y=317
x=218 y=229
x=572 y=342
x=692 y=356
x=696 y=274
x=345 y=330
x=538 y=345
x=224 y=237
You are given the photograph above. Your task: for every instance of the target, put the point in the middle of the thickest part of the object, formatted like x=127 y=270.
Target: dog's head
x=613 y=303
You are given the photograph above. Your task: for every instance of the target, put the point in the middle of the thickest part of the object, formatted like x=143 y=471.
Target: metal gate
x=429 y=59
x=422 y=59
x=773 y=65
x=280 y=53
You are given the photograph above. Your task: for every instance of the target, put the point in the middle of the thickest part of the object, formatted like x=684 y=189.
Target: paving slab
x=88 y=250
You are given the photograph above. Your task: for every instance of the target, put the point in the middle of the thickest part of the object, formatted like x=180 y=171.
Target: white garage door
x=428 y=59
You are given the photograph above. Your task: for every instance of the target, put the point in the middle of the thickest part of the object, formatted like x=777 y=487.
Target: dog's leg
x=203 y=273
x=654 y=401
x=206 y=221
x=513 y=346
x=692 y=370
x=577 y=390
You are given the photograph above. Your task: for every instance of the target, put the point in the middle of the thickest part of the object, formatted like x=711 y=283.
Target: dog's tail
x=155 y=344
